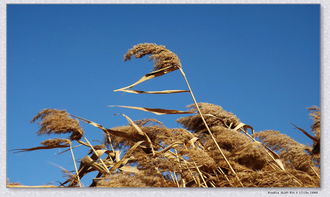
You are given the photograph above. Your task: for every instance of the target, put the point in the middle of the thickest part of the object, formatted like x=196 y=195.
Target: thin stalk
x=295 y=179
x=264 y=146
x=150 y=143
x=216 y=175
x=83 y=143
x=200 y=174
x=110 y=141
x=277 y=165
x=69 y=149
x=176 y=179
x=223 y=173
x=75 y=165
x=105 y=167
x=183 y=183
x=177 y=157
x=192 y=175
x=199 y=182
x=179 y=162
x=207 y=127
x=195 y=166
x=315 y=171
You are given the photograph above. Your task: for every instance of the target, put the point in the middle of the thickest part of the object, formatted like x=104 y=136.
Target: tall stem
x=207 y=127
x=75 y=165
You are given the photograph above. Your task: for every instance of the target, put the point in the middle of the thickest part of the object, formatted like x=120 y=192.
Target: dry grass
x=211 y=150
x=189 y=157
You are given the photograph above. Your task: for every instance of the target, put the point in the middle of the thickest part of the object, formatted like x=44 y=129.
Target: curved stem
x=207 y=127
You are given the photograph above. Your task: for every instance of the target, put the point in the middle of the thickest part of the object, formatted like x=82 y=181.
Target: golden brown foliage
x=140 y=180
x=176 y=157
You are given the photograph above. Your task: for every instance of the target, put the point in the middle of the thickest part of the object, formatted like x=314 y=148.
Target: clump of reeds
x=213 y=149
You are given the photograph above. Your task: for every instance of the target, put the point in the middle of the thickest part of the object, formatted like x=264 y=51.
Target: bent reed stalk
x=207 y=127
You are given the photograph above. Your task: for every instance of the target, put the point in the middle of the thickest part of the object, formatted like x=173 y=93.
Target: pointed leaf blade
x=156 y=111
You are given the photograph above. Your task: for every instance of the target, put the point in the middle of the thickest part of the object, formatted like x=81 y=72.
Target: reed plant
x=212 y=149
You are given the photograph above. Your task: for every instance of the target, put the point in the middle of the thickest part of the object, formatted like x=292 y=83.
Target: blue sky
x=261 y=62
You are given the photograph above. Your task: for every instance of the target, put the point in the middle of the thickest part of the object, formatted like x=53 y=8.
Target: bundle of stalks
x=213 y=149
x=184 y=158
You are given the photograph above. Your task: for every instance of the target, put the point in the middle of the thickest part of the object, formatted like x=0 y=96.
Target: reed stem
x=207 y=127
x=75 y=165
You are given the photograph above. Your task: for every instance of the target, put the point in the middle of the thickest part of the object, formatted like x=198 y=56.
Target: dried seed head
x=127 y=180
x=227 y=139
x=315 y=113
x=214 y=116
x=54 y=121
x=161 y=56
x=200 y=157
x=297 y=158
x=276 y=140
x=148 y=122
x=252 y=155
x=292 y=152
x=273 y=178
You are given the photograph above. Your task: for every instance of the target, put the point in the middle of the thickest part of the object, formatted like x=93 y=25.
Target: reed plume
x=315 y=113
x=53 y=121
x=161 y=56
x=294 y=153
x=214 y=116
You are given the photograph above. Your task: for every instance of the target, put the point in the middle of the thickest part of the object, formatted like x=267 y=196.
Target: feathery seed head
x=161 y=56
x=53 y=121
x=315 y=114
x=293 y=153
x=214 y=116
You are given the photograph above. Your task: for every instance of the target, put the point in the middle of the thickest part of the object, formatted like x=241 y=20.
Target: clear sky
x=261 y=62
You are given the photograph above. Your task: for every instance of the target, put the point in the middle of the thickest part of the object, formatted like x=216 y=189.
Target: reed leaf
x=128 y=154
x=156 y=111
x=149 y=76
x=153 y=92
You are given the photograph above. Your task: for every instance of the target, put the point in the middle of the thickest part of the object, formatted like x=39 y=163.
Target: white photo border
x=165 y=192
